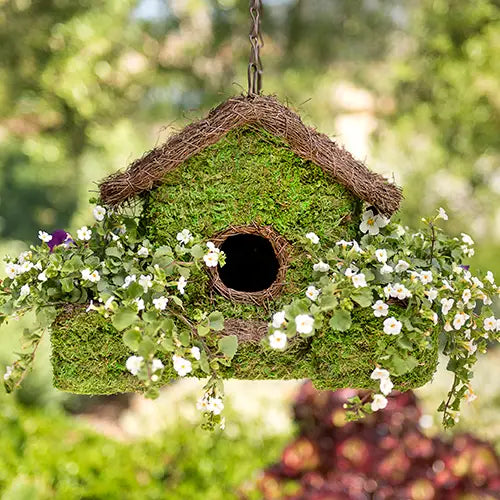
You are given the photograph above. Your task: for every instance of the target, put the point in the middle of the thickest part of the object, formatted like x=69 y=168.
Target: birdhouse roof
x=261 y=112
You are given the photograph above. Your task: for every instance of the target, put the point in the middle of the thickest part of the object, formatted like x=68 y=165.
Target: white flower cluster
x=379 y=400
x=8 y=372
x=210 y=404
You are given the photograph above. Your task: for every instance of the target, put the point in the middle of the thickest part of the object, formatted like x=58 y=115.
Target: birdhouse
x=253 y=179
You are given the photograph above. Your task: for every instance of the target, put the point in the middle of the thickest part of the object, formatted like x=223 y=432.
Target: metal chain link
x=255 y=68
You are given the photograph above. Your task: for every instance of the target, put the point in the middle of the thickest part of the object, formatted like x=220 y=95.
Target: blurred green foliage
x=47 y=455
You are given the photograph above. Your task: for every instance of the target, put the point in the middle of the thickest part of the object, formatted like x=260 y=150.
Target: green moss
x=251 y=176
x=246 y=177
x=89 y=358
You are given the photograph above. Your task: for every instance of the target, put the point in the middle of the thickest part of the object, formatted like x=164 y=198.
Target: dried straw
x=258 y=111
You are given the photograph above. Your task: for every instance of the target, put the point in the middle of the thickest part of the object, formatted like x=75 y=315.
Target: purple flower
x=59 y=237
x=465 y=267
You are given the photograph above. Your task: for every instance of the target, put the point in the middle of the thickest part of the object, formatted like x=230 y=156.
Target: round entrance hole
x=251 y=263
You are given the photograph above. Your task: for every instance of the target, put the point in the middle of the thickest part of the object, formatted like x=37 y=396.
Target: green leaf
x=124 y=318
x=216 y=321
x=203 y=329
x=204 y=362
x=185 y=338
x=114 y=252
x=341 y=320
x=401 y=366
x=197 y=251
x=328 y=302
x=147 y=347
x=132 y=338
x=228 y=346
x=363 y=297
x=46 y=316
x=67 y=285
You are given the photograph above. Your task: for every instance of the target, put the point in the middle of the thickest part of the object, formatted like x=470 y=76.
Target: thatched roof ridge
x=261 y=111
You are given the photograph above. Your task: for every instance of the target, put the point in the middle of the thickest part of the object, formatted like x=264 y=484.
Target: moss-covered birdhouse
x=252 y=179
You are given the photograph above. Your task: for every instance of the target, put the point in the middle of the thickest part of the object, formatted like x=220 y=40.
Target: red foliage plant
x=384 y=456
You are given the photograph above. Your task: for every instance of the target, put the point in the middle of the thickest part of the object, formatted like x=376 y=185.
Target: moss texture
x=89 y=357
x=249 y=176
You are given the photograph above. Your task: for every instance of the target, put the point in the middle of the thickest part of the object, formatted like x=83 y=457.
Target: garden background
x=412 y=88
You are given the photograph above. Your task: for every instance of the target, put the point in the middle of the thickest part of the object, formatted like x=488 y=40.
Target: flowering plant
x=411 y=282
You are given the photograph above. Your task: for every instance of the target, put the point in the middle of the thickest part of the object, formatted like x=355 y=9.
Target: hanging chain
x=255 y=68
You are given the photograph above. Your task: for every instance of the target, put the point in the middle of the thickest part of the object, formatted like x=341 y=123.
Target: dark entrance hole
x=251 y=264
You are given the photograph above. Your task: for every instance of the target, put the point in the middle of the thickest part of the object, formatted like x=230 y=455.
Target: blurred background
x=86 y=86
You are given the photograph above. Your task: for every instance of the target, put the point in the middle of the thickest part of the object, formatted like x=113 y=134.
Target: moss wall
x=89 y=357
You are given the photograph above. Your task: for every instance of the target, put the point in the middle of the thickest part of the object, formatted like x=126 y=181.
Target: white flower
x=379 y=374
x=202 y=403
x=278 y=319
x=24 y=256
x=386 y=269
x=388 y=290
x=431 y=294
x=25 y=291
x=402 y=266
x=182 y=366
x=84 y=233
x=489 y=277
x=466 y=295
x=11 y=270
x=160 y=303
x=372 y=223
x=99 y=213
x=211 y=259
x=94 y=277
x=143 y=252
x=45 y=237
x=312 y=293
x=399 y=291
x=25 y=267
x=490 y=324
x=181 y=285
x=8 y=372
x=414 y=275
x=477 y=282
x=467 y=239
x=442 y=214
x=140 y=304
x=459 y=320
x=380 y=308
x=146 y=281
x=42 y=277
x=313 y=238
x=350 y=272
x=134 y=364
x=85 y=274
x=154 y=378
x=195 y=352
x=304 y=323
x=185 y=236
x=344 y=244
x=156 y=365
x=426 y=277
x=469 y=395
x=447 y=286
x=392 y=326
x=468 y=251
x=321 y=267
x=447 y=327
x=471 y=347
x=379 y=402
x=277 y=340
x=381 y=255
x=386 y=386
x=215 y=405
x=435 y=318
x=128 y=280
x=356 y=247
x=359 y=281
x=446 y=305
